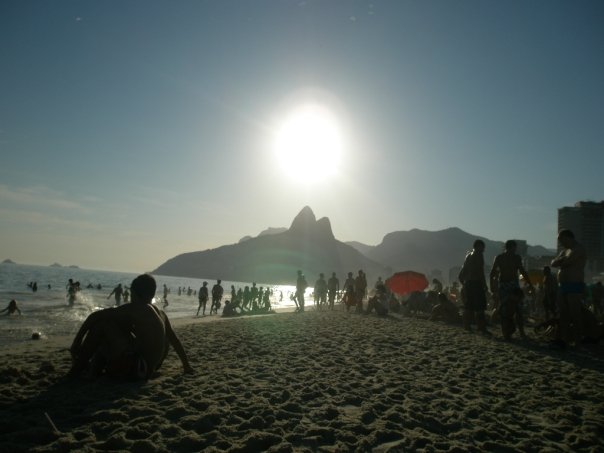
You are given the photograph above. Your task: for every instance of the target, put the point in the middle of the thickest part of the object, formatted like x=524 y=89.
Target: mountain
x=267 y=232
x=8 y=261
x=426 y=251
x=274 y=257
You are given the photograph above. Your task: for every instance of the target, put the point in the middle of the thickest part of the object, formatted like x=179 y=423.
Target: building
x=586 y=220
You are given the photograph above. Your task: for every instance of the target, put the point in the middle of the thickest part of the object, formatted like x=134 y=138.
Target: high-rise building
x=586 y=220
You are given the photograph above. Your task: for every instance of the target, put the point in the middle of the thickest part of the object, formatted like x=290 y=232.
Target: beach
x=314 y=381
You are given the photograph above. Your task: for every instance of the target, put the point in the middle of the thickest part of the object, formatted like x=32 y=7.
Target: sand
x=314 y=382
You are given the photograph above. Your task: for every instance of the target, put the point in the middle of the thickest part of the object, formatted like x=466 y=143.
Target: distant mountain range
x=309 y=245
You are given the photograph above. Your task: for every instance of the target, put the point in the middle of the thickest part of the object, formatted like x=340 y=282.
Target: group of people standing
x=562 y=297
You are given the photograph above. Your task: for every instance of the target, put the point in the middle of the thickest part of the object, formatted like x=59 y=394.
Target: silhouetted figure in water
x=333 y=287
x=320 y=292
x=129 y=341
x=118 y=291
x=474 y=288
x=217 y=292
x=166 y=303
x=301 y=286
x=203 y=299
x=504 y=283
x=11 y=308
x=72 y=292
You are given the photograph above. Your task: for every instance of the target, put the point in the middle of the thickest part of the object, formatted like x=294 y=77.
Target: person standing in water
x=217 y=292
x=118 y=291
x=203 y=299
x=166 y=303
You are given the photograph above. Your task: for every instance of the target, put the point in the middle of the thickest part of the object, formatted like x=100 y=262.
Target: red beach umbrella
x=407 y=282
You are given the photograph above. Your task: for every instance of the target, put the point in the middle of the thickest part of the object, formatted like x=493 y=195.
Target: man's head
x=479 y=245
x=566 y=238
x=205 y=283
x=143 y=289
x=510 y=246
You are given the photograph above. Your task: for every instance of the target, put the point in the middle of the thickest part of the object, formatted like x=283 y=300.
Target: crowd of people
x=132 y=338
x=567 y=318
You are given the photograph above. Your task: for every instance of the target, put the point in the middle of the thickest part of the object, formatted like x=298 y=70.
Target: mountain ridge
x=275 y=255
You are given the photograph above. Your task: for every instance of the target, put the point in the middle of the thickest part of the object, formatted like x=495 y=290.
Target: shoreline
x=315 y=381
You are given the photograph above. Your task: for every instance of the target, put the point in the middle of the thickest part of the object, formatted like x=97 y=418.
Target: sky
x=131 y=132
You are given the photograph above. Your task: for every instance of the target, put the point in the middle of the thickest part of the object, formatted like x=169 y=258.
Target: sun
x=308 y=144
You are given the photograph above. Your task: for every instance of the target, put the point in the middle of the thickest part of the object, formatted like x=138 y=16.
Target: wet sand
x=314 y=382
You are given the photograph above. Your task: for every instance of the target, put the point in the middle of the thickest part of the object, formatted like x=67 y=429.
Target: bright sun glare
x=308 y=144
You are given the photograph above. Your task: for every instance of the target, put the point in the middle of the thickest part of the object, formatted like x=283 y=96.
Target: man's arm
x=494 y=273
x=177 y=345
x=92 y=320
x=559 y=260
x=524 y=273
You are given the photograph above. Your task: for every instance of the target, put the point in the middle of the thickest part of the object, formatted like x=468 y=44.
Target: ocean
x=47 y=312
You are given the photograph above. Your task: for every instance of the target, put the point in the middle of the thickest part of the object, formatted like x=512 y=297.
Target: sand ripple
x=315 y=382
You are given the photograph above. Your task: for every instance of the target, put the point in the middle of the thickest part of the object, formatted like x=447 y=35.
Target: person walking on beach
x=360 y=289
x=349 y=298
x=301 y=286
x=504 y=281
x=320 y=292
x=203 y=298
x=217 y=292
x=118 y=291
x=333 y=286
x=474 y=284
x=130 y=341
x=571 y=279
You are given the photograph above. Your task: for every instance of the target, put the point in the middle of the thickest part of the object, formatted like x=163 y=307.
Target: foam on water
x=47 y=311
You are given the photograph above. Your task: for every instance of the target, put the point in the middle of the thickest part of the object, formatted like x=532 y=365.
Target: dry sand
x=316 y=382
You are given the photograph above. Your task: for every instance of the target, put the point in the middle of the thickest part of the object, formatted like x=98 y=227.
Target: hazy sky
x=132 y=131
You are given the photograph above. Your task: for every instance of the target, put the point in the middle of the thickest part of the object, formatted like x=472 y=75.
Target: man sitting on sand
x=445 y=311
x=129 y=341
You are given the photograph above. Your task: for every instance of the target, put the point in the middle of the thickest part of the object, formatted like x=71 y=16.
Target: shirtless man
x=118 y=291
x=474 y=288
x=301 y=286
x=571 y=279
x=504 y=282
x=129 y=341
x=203 y=298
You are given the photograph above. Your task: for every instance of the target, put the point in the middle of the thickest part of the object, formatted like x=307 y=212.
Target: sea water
x=47 y=310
